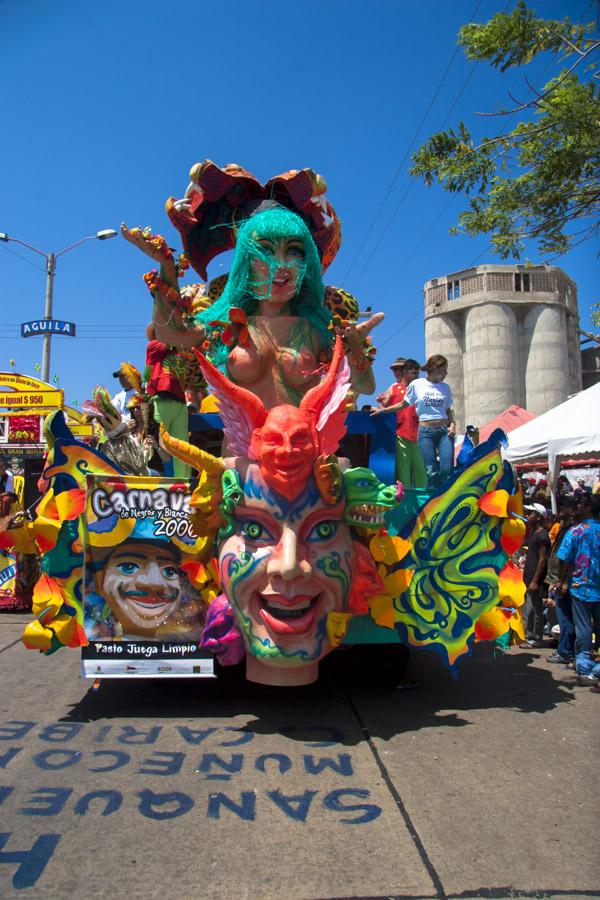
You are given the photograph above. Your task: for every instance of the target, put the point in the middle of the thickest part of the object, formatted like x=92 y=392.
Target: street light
x=50 y=259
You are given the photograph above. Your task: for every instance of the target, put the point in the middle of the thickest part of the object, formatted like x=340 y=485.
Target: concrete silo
x=510 y=336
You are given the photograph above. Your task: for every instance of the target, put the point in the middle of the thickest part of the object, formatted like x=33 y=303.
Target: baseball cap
x=398 y=363
x=538 y=508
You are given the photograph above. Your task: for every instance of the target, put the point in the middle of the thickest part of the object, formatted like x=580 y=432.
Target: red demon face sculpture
x=286 y=449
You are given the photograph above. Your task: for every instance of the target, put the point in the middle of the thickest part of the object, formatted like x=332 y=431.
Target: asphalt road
x=485 y=786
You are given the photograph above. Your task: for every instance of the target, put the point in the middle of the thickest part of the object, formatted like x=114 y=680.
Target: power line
x=6 y=335
x=446 y=117
x=489 y=247
x=24 y=258
x=414 y=249
x=410 y=184
x=484 y=252
x=405 y=157
x=400 y=328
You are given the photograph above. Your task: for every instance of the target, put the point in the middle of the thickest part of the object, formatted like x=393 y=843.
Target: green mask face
x=367 y=498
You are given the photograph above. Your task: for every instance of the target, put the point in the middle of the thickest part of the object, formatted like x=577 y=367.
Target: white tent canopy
x=567 y=431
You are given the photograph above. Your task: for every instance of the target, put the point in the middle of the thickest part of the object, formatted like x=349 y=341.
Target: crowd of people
x=561 y=572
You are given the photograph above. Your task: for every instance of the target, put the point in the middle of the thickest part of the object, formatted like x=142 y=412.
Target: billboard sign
x=31 y=399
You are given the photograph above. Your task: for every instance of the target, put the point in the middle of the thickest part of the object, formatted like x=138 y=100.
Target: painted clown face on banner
x=288 y=572
x=140 y=582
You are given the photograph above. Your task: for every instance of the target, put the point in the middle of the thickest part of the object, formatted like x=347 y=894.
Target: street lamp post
x=46 y=346
x=50 y=259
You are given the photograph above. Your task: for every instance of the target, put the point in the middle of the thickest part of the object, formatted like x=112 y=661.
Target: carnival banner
x=147 y=582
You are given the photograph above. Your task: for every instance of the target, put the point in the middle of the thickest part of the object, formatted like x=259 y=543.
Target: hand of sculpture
x=167 y=323
x=355 y=334
x=154 y=246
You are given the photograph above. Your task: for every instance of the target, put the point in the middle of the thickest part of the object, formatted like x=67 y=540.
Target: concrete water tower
x=510 y=336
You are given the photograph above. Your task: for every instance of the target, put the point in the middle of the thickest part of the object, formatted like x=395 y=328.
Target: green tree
x=539 y=180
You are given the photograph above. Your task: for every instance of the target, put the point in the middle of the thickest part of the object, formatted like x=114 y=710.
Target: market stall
x=568 y=431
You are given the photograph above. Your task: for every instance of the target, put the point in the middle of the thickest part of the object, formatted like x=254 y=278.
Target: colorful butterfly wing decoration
x=456 y=558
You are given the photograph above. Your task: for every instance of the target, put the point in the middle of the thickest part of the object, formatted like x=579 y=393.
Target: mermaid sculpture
x=270 y=323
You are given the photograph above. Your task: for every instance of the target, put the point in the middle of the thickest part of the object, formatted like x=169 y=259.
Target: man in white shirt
x=120 y=400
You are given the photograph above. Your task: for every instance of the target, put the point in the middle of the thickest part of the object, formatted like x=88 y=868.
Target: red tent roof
x=508 y=420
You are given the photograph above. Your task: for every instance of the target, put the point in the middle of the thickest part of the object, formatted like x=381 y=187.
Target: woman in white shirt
x=432 y=398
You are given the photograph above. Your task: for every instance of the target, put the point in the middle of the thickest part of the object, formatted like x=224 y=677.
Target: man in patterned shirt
x=579 y=573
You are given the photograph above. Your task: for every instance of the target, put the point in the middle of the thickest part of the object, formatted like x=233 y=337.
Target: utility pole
x=50 y=270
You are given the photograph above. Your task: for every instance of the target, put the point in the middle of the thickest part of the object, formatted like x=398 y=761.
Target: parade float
x=287 y=541
x=24 y=401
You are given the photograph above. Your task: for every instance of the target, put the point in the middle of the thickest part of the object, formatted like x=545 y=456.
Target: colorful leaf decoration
x=70 y=504
x=382 y=610
x=37 y=637
x=491 y=625
x=388 y=549
x=512 y=535
x=47 y=598
x=494 y=503
x=511 y=588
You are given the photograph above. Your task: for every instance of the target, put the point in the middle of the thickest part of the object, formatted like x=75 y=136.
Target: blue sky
x=106 y=107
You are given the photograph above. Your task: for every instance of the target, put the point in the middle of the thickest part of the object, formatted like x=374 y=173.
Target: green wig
x=272 y=224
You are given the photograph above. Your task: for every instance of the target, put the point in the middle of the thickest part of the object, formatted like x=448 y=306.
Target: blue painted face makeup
x=287 y=565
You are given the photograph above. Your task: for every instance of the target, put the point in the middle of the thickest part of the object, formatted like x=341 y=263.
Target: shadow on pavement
x=354 y=682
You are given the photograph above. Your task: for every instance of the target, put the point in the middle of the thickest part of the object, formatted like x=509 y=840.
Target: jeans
x=584 y=614
x=564 y=614
x=534 y=615
x=437 y=451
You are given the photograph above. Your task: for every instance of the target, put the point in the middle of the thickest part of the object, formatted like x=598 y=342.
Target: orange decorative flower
x=236 y=330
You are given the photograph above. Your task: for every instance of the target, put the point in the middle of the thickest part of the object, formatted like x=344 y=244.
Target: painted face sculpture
x=286 y=448
x=140 y=582
x=288 y=570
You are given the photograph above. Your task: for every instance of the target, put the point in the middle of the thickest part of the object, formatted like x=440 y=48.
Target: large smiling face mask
x=288 y=570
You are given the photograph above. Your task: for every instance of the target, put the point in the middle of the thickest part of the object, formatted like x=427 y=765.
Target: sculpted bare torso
x=280 y=361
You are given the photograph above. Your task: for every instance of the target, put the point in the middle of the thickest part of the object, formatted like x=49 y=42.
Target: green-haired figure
x=269 y=329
